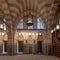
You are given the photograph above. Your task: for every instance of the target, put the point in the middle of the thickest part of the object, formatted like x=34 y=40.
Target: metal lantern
x=29 y=20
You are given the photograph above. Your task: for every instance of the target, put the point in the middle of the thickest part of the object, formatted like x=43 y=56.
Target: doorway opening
x=39 y=47
x=20 y=47
x=5 y=50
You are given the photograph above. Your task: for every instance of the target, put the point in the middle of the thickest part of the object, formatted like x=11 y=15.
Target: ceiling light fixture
x=2 y=33
x=57 y=27
x=36 y=33
x=19 y=33
x=29 y=33
x=32 y=33
x=40 y=34
x=30 y=20
x=52 y=31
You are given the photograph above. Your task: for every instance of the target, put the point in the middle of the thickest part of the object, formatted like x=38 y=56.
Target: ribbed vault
x=14 y=10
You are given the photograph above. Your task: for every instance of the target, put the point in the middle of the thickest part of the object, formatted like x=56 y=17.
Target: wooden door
x=39 y=45
x=5 y=46
x=20 y=46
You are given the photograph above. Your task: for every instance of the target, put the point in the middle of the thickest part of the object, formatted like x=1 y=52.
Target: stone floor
x=29 y=57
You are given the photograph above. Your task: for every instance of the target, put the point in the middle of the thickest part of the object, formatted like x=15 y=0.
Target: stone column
x=11 y=39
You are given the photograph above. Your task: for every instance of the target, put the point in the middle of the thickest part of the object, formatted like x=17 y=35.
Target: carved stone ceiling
x=15 y=9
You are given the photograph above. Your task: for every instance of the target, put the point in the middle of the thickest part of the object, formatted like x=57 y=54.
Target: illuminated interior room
x=30 y=27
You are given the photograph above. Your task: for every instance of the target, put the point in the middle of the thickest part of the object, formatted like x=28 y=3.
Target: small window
x=40 y=24
x=20 y=24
